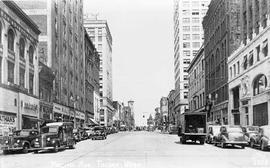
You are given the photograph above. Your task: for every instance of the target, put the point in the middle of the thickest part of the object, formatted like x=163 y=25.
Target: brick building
x=222 y=36
x=249 y=73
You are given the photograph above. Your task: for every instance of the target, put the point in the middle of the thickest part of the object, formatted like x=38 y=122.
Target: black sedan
x=99 y=133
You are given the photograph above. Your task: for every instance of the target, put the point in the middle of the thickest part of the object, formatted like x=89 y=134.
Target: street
x=140 y=150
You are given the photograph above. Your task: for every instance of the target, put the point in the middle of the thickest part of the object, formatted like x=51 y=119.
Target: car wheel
x=56 y=149
x=72 y=146
x=223 y=145
x=25 y=149
x=252 y=143
x=5 y=152
x=262 y=147
x=243 y=146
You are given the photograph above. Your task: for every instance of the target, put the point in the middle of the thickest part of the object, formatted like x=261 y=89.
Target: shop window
x=31 y=54
x=10 y=72
x=11 y=37
x=22 y=47
x=22 y=77
x=259 y=85
x=31 y=83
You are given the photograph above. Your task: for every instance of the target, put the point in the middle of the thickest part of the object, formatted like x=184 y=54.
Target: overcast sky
x=142 y=32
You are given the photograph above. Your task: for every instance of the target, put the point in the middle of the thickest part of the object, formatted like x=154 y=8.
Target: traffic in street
x=141 y=149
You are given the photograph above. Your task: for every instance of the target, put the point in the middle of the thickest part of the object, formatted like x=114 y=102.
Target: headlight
x=18 y=141
x=6 y=142
x=36 y=140
x=48 y=139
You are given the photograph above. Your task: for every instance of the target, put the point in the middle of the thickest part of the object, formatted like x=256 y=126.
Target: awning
x=92 y=122
x=31 y=118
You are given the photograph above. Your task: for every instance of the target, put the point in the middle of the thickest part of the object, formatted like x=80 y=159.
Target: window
x=231 y=72
x=186 y=36
x=22 y=77
x=245 y=62
x=100 y=38
x=234 y=70
x=186 y=28
x=10 y=72
x=186 y=53
x=186 y=20
x=31 y=54
x=196 y=44
x=22 y=48
x=195 y=28
x=195 y=4
x=185 y=85
x=99 y=47
x=185 y=95
x=92 y=39
x=185 y=69
x=238 y=67
x=186 y=45
x=185 y=77
x=186 y=4
x=99 y=31
x=92 y=32
x=260 y=84
x=258 y=52
x=194 y=53
x=250 y=58
x=195 y=13
x=186 y=12
x=186 y=61
x=31 y=83
x=195 y=37
x=195 y=20
x=11 y=40
x=265 y=48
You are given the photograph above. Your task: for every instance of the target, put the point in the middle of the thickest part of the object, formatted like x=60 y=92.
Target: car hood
x=236 y=136
x=48 y=134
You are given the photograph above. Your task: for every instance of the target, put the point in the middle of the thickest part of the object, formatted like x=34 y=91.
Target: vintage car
x=262 y=139
x=231 y=135
x=99 y=133
x=250 y=131
x=173 y=129
x=90 y=132
x=55 y=136
x=21 y=140
x=212 y=133
x=77 y=135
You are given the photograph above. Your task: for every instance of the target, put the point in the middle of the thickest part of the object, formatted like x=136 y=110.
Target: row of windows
x=194 y=44
x=188 y=36
x=194 y=20
x=193 y=28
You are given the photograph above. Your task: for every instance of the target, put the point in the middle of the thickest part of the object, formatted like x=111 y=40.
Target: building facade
x=188 y=38
x=61 y=47
x=172 y=117
x=196 y=76
x=164 y=111
x=117 y=117
x=100 y=35
x=222 y=36
x=91 y=77
x=19 y=67
x=249 y=73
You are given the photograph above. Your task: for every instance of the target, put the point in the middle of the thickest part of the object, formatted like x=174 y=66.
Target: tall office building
x=188 y=37
x=99 y=32
x=61 y=48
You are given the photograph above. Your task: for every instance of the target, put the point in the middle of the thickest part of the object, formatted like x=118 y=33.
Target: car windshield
x=234 y=129
x=215 y=130
x=252 y=129
x=98 y=128
x=49 y=129
x=21 y=133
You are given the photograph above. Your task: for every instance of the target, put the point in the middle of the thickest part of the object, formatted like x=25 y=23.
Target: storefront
x=46 y=111
x=8 y=112
x=220 y=113
x=80 y=118
x=60 y=112
x=29 y=107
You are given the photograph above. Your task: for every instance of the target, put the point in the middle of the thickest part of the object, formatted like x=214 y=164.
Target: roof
x=20 y=13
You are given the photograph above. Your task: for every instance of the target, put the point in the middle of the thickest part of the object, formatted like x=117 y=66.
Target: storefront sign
x=60 y=109
x=7 y=124
x=80 y=115
x=30 y=109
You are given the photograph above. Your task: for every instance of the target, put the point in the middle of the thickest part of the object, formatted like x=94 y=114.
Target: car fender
x=26 y=143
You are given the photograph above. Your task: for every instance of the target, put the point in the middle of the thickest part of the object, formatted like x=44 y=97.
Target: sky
x=142 y=32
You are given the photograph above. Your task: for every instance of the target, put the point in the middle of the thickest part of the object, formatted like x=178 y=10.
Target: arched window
x=22 y=47
x=217 y=56
x=11 y=40
x=31 y=54
x=259 y=85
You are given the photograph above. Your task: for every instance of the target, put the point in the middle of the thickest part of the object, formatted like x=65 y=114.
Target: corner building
x=188 y=38
x=100 y=35
x=61 y=45
x=249 y=67
x=19 y=77
x=222 y=36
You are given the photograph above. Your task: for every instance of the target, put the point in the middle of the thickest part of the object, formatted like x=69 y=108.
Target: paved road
x=141 y=150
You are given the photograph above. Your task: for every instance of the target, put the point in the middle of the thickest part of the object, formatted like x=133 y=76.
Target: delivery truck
x=192 y=127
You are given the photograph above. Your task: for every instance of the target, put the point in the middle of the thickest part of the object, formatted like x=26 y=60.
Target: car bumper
x=12 y=148
x=236 y=143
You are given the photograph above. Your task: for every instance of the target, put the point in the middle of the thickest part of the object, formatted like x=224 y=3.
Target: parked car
x=21 y=140
x=55 y=136
x=231 y=135
x=90 y=132
x=172 y=129
x=250 y=131
x=212 y=133
x=262 y=139
x=99 y=133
